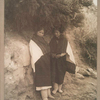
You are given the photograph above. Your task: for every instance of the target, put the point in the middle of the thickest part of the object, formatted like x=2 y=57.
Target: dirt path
x=77 y=89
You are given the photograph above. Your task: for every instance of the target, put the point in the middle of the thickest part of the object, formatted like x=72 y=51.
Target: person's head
x=57 y=33
x=40 y=32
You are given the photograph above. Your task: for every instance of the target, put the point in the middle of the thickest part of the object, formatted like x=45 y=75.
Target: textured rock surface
x=18 y=72
x=80 y=76
x=92 y=72
x=19 y=83
x=83 y=72
x=78 y=89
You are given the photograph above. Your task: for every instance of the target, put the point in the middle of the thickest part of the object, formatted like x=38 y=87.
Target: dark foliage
x=31 y=14
x=88 y=45
x=86 y=2
x=89 y=52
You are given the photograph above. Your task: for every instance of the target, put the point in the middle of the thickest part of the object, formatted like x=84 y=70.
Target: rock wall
x=18 y=72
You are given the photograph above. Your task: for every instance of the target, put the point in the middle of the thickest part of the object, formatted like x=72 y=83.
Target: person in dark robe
x=59 y=62
x=40 y=60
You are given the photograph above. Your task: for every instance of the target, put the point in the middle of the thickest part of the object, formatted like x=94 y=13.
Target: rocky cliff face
x=18 y=72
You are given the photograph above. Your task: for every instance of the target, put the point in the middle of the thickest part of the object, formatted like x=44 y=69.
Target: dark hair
x=55 y=29
x=61 y=30
x=38 y=29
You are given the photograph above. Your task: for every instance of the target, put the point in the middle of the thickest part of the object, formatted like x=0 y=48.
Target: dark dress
x=59 y=66
x=42 y=66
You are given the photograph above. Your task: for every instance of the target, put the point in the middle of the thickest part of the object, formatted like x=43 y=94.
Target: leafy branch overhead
x=30 y=14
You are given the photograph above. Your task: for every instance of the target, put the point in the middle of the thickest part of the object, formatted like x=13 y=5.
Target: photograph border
x=2 y=50
x=98 y=50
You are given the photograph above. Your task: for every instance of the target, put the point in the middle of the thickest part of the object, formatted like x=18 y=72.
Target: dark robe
x=59 y=66
x=42 y=66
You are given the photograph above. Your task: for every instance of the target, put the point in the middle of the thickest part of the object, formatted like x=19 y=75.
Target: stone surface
x=80 y=76
x=18 y=72
x=83 y=72
x=92 y=72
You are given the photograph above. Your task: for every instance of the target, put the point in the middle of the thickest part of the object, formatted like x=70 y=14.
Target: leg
x=59 y=88
x=49 y=94
x=55 y=88
x=44 y=94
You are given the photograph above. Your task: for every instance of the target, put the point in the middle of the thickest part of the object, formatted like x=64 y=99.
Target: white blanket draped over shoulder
x=70 y=52
x=36 y=53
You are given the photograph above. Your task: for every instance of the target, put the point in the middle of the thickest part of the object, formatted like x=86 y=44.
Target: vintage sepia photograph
x=50 y=50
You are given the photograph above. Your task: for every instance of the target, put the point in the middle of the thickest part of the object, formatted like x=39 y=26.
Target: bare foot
x=60 y=91
x=54 y=91
x=50 y=96
x=45 y=99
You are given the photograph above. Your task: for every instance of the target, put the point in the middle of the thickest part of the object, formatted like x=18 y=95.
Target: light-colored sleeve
x=35 y=53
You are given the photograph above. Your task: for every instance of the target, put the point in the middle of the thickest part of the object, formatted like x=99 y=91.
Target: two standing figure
x=49 y=62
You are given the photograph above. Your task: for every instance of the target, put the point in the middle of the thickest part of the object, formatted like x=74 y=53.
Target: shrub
x=31 y=14
x=88 y=44
x=86 y=2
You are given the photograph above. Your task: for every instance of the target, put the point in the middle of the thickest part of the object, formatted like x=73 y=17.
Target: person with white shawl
x=40 y=60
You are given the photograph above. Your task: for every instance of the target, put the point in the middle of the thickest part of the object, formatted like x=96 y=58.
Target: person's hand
x=58 y=56
x=53 y=55
x=63 y=54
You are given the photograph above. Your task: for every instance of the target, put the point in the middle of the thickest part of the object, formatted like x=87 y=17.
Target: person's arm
x=53 y=55
x=60 y=55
